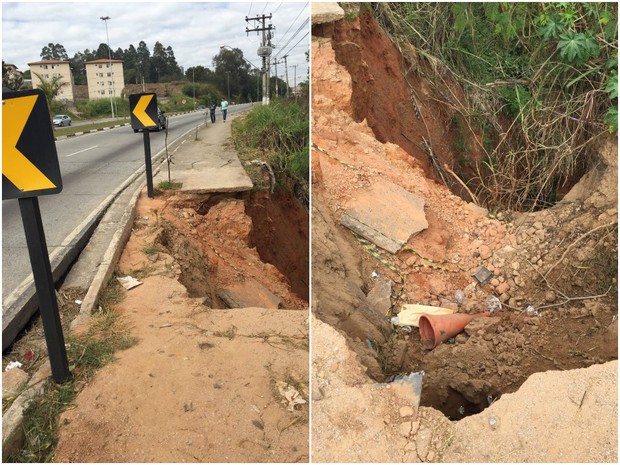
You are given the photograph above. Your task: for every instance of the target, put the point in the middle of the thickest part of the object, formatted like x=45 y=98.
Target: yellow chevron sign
x=143 y=109
x=29 y=158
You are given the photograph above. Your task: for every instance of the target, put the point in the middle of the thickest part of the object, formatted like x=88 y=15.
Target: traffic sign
x=29 y=158
x=143 y=109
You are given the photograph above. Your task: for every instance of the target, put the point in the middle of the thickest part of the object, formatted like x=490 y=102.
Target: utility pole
x=275 y=62
x=264 y=51
x=286 y=72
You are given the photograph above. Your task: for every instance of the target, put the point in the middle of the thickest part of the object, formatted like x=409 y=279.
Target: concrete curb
x=12 y=421
x=107 y=128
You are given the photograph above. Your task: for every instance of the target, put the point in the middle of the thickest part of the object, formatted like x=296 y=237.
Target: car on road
x=61 y=120
x=161 y=122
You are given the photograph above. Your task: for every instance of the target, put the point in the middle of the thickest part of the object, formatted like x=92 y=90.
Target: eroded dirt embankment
x=357 y=98
x=219 y=372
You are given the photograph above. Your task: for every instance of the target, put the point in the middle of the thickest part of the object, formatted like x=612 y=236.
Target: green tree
x=54 y=52
x=11 y=78
x=50 y=88
x=143 y=63
x=231 y=68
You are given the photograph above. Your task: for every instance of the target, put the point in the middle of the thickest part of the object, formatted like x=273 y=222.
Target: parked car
x=161 y=122
x=61 y=120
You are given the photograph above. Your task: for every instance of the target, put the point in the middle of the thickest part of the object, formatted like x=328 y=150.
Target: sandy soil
x=202 y=384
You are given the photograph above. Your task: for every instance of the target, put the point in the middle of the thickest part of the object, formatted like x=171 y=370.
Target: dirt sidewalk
x=202 y=384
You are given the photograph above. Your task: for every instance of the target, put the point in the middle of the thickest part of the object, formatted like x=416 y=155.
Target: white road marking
x=80 y=151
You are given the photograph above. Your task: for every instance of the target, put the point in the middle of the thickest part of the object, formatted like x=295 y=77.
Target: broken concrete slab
x=379 y=296
x=326 y=12
x=239 y=296
x=214 y=173
x=387 y=215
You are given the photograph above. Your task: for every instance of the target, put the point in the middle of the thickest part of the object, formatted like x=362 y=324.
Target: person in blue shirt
x=224 y=109
x=212 y=108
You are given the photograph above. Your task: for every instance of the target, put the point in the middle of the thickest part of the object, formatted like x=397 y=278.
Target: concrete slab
x=216 y=173
x=326 y=12
x=387 y=215
x=251 y=294
x=207 y=164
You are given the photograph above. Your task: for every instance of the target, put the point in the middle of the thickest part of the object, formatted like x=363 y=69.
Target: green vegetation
x=279 y=134
x=86 y=353
x=542 y=76
x=87 y=127
x=100 y=108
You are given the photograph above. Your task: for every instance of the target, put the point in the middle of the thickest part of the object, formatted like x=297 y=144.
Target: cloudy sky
x=194 y=30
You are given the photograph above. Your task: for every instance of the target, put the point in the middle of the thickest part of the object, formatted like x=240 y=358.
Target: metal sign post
x=143 y=110
x=30 y=168
x=147 y=163
x=42 y=273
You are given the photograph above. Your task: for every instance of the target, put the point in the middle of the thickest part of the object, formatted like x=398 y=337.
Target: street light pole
x=105 y=20
x=228 y=82
x=194 y=86
x=249 y=63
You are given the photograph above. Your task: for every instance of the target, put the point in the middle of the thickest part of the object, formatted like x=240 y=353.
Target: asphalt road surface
x=92 y=166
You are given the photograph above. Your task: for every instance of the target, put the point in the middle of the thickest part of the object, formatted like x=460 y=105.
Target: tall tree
x=77 y=66
x=143 y=64
x=231 y=69
x=158 y=62
x=54 y=52
x=102 y=51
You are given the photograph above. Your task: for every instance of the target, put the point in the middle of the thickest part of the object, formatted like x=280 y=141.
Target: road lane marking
x=81 y=151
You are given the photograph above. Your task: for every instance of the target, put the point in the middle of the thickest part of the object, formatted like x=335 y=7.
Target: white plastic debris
x=459 y=297
x=12 y=365
x=531 y=311
x=374 y=274
x=79 y=302
x=493 y=304
x=290 y=394
x=129 y=282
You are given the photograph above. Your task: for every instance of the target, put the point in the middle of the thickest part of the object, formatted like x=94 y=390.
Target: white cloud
x=194 y=30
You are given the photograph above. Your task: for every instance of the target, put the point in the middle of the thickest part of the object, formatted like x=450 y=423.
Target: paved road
x=92 y=166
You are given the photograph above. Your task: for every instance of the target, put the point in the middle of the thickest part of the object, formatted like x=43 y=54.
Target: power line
x=289 y=28
x=294 y=35
x=278 y=8
x=264 y=8
x=250 y=9
x=289 y=50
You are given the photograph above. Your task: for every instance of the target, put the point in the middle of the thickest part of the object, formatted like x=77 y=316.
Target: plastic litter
x=483 y=275
x=394 y=321
x=374 y=274
x=129 y=282
x=405 y=329
x=290 y=394
x=492 y=422
x=493 y=304
x=531 y=311
x=462 y=410
x=410 y=313
x=79 y=302
x=459 y=297
x=414 y=379
x=12 y=365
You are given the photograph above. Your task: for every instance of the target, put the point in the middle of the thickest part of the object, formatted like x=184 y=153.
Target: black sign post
x=44 y=284
x=30 y=168
x=143 y=110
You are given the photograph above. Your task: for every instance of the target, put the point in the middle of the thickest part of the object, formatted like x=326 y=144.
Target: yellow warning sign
x=29 y=158
x=143 y=109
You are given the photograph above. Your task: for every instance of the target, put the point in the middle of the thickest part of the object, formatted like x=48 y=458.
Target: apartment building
x=105 y=78
x=49 y=69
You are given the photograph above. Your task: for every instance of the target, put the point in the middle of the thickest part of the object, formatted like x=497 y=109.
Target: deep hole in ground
x=240 y=249
x=527 y=252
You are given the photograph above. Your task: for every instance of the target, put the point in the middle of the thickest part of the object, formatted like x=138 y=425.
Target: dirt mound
x=554 y=272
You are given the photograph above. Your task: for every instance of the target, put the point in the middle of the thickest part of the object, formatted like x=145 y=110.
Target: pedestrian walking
x=212 y=108
x=224 y=109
